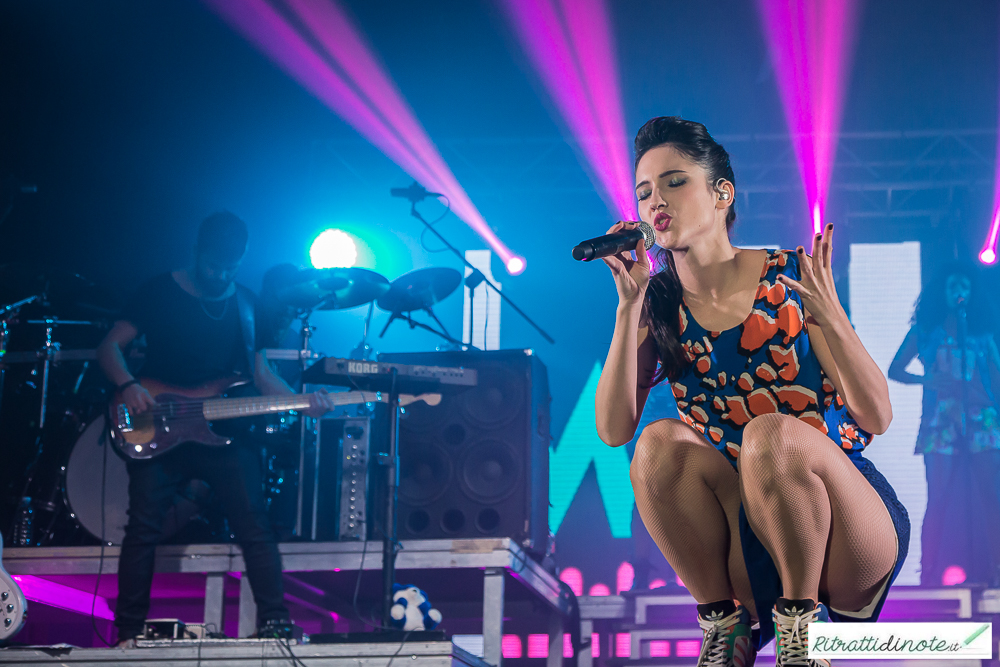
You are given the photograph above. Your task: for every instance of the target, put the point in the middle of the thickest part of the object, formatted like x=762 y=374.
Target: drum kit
x=53 y=399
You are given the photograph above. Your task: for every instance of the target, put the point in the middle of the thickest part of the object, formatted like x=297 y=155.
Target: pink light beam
x=50 y=593
x=571 y=45
x=988 y=255
x=357 y=89
x=811 y=45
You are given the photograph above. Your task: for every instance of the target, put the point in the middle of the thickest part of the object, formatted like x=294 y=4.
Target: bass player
x=199 y=327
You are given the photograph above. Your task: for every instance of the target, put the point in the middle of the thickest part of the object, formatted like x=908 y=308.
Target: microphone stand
x=476 y=275
x=391 y=460
x=962 y=327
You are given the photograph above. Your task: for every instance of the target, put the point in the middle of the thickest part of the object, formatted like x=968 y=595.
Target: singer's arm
x=624 y=384
x=841 y=354
x=904 y=355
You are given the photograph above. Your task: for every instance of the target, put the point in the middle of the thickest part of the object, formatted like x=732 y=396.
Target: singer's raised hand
x=815 y=284
x=631 y=275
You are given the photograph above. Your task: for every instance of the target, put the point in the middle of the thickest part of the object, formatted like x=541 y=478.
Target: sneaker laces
x=792 y=639
x=715 y=651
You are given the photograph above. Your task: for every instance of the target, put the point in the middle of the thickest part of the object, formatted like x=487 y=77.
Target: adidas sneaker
x=727 y=640
x=791 y=631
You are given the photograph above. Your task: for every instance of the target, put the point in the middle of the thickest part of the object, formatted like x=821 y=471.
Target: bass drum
x=93 y=461
x=92 y=464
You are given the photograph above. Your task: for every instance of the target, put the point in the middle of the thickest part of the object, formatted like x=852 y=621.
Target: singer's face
x=674 y=197
x=957 y=289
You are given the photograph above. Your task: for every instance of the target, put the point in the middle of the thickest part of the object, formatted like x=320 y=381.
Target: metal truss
x=904 y=177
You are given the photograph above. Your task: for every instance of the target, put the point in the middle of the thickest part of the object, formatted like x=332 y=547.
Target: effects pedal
x=164 y=628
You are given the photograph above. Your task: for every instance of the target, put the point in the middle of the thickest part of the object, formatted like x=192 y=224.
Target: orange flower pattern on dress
x=765 y=365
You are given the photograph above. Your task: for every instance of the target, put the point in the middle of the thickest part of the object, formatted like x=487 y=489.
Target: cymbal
x=419 y=289
x=332 y=289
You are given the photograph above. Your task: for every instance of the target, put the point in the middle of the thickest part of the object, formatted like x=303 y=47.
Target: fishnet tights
x=688 y=496
x=823 y=524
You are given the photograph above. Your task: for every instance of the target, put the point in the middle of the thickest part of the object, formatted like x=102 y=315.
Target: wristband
x=125 y=385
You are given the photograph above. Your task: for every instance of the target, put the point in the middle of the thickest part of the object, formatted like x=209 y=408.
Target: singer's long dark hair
x=663 y=296
x=932 y=306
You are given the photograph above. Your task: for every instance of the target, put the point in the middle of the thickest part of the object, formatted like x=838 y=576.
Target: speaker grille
x=496 y=402
x=425 y=471
x=490 y=471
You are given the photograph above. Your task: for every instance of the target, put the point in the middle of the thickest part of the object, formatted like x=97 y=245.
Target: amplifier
x=336 y=490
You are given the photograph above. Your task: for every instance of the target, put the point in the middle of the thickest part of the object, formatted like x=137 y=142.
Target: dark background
x=137 y=119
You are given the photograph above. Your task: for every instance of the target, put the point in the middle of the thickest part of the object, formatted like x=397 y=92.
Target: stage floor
x=246 y=652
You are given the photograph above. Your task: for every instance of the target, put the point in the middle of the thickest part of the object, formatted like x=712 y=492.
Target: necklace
x=220 y=316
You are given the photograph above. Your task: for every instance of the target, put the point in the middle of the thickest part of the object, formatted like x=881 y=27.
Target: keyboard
x=377 y=376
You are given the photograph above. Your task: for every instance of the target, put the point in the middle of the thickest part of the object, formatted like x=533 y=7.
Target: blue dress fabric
x=766 y=365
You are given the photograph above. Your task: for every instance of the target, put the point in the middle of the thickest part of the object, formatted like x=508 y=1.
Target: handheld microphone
x=612 y=244
x=414 y=193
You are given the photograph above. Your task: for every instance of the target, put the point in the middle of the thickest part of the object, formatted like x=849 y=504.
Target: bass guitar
x=13 y=606
x=184 y=414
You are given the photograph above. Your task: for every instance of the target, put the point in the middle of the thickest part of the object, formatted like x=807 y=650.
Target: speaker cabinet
x=477 y=465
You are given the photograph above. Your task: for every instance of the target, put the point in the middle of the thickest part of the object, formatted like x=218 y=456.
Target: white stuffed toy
x=411 y=610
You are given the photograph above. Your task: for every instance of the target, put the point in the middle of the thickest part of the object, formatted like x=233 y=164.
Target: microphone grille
x=648 y=233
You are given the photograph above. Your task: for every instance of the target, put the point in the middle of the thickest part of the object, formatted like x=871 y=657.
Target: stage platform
x=466 y=579
x=247 y=652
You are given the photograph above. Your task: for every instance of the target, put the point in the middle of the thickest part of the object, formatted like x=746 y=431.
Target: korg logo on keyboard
x=358 y=367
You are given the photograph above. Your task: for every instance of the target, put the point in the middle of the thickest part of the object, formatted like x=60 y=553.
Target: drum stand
x=363 y=351
x=6 y=313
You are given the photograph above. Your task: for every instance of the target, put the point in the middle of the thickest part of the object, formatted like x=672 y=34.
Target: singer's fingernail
x=800 y=250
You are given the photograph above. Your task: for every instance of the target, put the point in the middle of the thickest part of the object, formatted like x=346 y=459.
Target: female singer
x=759 y=496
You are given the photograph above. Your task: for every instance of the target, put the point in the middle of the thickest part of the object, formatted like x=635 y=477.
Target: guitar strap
x=245 y=302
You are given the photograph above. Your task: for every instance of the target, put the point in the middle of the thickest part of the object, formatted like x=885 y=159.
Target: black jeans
x=234 y=474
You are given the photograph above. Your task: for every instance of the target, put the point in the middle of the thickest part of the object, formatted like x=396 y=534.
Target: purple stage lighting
x=988 y=255
x=330 y=59
x=48 y=592
x=811 y=47
x=571 y=45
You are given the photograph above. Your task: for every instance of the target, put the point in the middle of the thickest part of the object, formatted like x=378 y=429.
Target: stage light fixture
x=625 y=577
x=327 y=55
x=573 y=578
x=811 y=48
x=953 y=575
x=599 y=590
x=515 y=265
x=988 y=255
x=333 y=248
x=511 y=647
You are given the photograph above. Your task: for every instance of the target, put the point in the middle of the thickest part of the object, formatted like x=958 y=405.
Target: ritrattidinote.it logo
x=940 y=641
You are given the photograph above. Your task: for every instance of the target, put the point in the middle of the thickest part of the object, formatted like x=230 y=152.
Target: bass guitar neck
x=184 y=414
